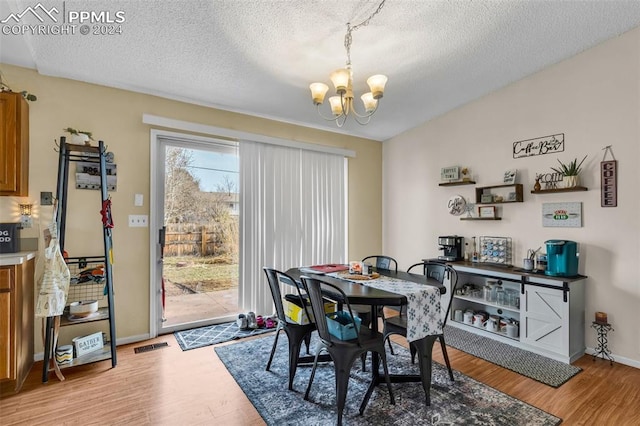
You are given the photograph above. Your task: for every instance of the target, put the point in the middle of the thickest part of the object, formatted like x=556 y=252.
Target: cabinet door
x=14 y=145
x=544 y=319
x=6 y=342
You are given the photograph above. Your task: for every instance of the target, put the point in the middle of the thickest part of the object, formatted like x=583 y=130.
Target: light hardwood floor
x=171 y=387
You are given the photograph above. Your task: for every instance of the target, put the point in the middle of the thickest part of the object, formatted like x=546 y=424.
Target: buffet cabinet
x=14 y=145
x=16 y=321
x=548 y=311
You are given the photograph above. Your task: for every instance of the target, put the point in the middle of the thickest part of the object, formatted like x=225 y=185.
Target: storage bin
x=341 y=326
x=297 y=314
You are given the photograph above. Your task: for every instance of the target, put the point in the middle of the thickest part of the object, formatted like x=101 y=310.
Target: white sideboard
x=550 y=312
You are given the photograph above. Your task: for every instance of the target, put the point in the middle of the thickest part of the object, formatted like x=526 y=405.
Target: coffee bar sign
x=539 y=146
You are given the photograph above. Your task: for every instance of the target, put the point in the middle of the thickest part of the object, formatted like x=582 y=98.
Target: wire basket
x=88 y=278
x=496 y=250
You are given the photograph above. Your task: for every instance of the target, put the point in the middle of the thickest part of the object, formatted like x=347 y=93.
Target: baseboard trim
x=616 y=358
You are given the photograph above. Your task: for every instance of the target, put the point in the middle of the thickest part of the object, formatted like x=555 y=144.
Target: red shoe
x=260 y=321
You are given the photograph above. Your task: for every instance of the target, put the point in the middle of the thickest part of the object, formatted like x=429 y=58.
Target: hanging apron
x=54 y=284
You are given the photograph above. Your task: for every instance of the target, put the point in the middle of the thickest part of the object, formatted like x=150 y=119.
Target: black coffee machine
x=452 y=246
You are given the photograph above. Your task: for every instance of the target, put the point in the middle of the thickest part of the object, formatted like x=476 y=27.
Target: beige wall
x=594 y=99
x=115 y=116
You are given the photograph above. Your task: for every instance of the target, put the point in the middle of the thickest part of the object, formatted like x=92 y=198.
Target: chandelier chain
x=348 y=39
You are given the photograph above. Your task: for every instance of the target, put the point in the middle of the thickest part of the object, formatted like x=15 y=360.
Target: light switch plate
x=138 y=200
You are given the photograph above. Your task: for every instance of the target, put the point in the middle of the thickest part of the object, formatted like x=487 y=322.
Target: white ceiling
x=258 y=57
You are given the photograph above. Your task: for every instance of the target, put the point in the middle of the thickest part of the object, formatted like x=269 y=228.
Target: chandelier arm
x=334 y=118
x=365 y=122
x=365 y=115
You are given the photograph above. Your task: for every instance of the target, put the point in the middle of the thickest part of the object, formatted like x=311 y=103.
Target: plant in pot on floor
x=570 y=171
x=79 y=136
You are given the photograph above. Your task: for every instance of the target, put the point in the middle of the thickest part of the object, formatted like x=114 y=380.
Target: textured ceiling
x=258 y=57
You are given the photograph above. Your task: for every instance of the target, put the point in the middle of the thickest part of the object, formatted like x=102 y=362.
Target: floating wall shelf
x=462 y=182
x=549 y=191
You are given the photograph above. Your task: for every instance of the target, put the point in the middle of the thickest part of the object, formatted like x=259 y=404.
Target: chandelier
x=342 y=105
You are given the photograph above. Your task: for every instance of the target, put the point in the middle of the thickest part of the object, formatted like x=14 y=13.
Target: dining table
x=418 y=293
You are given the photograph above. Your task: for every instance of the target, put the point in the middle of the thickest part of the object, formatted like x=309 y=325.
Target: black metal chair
x=343 y=352
x=296 y=333
x=398 y=324
x=384 y=263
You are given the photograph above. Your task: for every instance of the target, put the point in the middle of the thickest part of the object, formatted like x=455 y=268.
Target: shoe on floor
x=242 y=322
x=251 y=321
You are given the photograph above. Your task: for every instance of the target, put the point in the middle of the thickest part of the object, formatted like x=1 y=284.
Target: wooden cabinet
x=14 y=145
x=16 y=323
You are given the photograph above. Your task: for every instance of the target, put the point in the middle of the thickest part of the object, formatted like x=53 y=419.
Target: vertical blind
x=292 y=213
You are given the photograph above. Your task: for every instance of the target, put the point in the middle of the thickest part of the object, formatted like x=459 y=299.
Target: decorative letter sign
x=539 y=146
x=609 y=180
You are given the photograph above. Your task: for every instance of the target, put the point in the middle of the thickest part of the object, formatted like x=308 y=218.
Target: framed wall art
x=562 y=215
x=487 y=211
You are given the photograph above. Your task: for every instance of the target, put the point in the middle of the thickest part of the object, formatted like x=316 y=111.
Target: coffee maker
x=562 y=258
x=452 y=246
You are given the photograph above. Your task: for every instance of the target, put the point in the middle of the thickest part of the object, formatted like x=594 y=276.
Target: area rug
x=463 y=401
x=213 y=334
x=537 y=367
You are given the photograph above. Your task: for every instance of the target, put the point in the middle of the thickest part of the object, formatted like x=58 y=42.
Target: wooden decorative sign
x=609 y=181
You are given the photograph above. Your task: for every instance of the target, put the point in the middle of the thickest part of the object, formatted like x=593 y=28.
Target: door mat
x=537 y=367
x=464 y=401
x=213 y=334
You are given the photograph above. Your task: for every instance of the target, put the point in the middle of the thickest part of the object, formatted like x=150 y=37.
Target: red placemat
x=328 y=268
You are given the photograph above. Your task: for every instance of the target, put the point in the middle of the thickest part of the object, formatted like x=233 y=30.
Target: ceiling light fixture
x=342 y=104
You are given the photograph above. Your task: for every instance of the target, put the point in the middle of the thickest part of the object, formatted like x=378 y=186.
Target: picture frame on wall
x=487 y=212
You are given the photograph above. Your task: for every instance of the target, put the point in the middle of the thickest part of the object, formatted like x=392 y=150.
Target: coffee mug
x=512 y=330
x=468 y=318
x=527 y=264
x=478 y=320
x=457 y=315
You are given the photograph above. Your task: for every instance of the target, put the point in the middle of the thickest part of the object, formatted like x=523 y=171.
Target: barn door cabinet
x=550 y=312
x=14 y=145
x=16 y=319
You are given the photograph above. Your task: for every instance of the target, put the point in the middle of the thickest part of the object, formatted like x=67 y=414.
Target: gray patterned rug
x=213 y=334
x=464 y=401
x=537 y=367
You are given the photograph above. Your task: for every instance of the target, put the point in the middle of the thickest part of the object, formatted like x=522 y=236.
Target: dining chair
x=385 y=263
x=343 y=352
x=398 y=324
x=296 y=333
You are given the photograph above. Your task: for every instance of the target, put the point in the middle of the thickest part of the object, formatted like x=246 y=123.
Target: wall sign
x=539 y=146
x=456 y=205
x=450 y=173
x=608 y=180
x=562 y=215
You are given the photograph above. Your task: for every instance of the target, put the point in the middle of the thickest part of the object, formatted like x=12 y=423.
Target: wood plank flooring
x=171 y=387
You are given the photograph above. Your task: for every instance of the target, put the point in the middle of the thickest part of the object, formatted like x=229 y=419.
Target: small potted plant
x=570 y=171
x=79 y=136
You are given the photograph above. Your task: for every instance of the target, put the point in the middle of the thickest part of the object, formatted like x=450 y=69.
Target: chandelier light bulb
x=318 y=92
x=370 y=103
x=376 y=84
x=340 y=79
x=336 y=105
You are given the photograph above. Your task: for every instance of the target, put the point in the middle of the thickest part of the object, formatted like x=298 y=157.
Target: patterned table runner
x=424 y=317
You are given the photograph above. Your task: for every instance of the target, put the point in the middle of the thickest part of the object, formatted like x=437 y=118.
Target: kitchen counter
x=18 y=258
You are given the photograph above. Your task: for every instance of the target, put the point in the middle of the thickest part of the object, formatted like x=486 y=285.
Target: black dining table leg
x=425 y=349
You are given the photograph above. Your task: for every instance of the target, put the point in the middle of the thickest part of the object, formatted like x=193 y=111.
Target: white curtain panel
x=292 y=213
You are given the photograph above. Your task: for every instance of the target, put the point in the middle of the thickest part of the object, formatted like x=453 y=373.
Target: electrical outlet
x=138 y=220
x=46 y=199
x=26 y=221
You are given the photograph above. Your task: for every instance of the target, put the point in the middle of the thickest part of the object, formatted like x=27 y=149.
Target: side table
x=602 y=350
